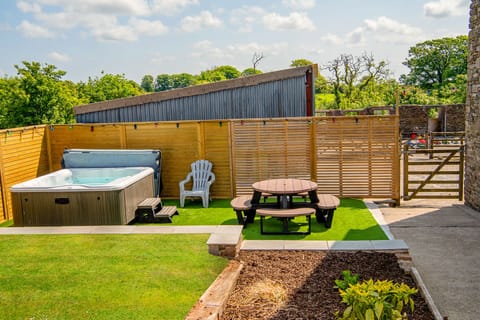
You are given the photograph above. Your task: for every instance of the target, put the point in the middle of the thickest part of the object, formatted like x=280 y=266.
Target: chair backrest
x=201 y=174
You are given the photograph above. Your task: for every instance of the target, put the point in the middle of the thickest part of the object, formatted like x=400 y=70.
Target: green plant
x=379 y=300
x=432 y=113
x=348 y=280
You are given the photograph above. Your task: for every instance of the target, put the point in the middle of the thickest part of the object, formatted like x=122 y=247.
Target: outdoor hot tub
x=82 y=196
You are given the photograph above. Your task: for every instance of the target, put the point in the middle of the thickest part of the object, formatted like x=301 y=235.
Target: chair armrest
x=212 y=180
x=183 y=182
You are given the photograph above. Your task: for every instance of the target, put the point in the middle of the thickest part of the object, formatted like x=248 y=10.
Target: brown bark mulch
x=297 y=285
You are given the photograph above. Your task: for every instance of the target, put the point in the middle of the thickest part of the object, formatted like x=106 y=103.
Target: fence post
x=405 y=172
x=461 y=172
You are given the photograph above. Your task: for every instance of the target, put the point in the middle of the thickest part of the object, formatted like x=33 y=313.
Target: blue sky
x=139 y=37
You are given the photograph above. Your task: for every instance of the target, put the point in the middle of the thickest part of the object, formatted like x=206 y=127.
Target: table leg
x=256 y=197
x=284 y=201
x=313 y=196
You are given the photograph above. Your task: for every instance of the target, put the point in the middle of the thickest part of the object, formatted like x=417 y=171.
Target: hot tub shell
x=114 y=203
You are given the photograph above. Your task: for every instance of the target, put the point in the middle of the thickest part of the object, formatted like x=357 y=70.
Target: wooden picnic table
x=284 y=209
x=284 y=189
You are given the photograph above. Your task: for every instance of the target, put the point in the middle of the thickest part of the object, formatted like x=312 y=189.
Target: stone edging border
x=426 y=294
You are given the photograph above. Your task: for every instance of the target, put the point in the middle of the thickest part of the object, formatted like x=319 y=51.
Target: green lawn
x=352 y=221
x=104 y=276
x=137 y=276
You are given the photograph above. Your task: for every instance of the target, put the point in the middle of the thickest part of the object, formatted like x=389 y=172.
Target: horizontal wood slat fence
x=346 y=156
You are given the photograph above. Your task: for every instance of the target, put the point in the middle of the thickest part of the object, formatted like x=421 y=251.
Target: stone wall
x=472 y=130
x=414 y=118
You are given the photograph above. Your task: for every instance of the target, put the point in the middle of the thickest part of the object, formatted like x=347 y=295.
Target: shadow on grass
x=352 y=221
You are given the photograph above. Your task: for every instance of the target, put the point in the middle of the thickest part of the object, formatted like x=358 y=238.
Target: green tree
x=250 y=72
x=108 y=87
x=11 y=96
x=434 y=63
x=163 y=82
x=148 y=84
x=182 y=80
x=301 y=63
x=351 y=75
x=218 y=74
x=229 y=72
x=322 y=85
x=37 y=96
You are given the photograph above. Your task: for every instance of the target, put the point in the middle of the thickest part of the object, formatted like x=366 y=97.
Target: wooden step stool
x=147 y=211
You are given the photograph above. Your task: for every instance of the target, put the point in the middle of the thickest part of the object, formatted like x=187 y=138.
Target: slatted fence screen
x=23 y=156
x=264 y=149
x=346 y=156
x=358 y=156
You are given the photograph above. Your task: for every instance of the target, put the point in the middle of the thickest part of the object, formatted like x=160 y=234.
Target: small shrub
x=379 y=300
x=348 y=279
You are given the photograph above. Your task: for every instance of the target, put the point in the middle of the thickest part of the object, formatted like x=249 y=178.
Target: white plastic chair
x=202 y=177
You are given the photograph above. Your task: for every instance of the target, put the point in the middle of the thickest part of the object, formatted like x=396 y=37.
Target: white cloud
x=204 y=20
x=147 y=27
x=58 y=57
x=114 y=32
x=332 y=39
x=246 y=17
x=103 y=19
x=34 y=31
x=28 y=7
x=356 y=37
x=171 y=7
x=294 y=21
x=208 y=52
x=446 y=8
x=299 y=4
x=381 y=29
x=112 y=7
x=206 y=49
x=392 y=31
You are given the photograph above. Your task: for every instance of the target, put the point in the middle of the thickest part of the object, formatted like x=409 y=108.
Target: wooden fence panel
x=264 y=149
x=217 y=150
x=346 y=156
x=79 y=136
x=23 y=156
x=178 y=144
x=181 y=143
x=357 y=156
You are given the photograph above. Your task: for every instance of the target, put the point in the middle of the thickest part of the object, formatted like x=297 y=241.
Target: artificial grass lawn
x=352 y=221
x=104 y=276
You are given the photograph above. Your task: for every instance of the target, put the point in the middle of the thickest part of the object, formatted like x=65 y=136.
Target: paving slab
x=443 y=237
x=305 y=245
x=350 y=245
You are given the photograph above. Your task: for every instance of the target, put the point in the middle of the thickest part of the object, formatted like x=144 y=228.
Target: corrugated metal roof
x=275 y=94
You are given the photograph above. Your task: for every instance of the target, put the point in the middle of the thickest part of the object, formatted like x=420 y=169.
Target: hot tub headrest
x=114 y=158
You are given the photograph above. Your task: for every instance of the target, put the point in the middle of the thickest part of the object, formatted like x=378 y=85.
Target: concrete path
x=444 y=241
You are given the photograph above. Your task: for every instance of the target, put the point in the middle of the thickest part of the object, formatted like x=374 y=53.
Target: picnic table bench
x=285 y=215
x=243 y=208
x=325 y=208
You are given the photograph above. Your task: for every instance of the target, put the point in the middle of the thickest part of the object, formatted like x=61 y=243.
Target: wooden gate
x=433 y=173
